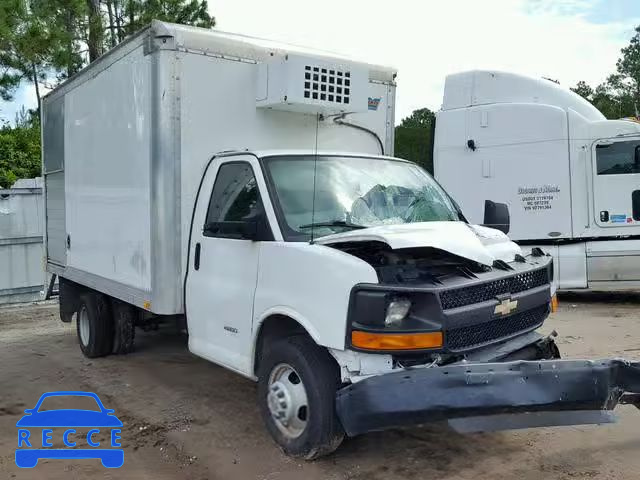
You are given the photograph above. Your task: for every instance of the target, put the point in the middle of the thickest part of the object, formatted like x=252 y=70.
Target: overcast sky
x=568 y=40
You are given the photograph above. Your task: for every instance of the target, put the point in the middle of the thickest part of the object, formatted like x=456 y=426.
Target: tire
x=94 y=325
x=68 y=299
x=313 y=430
x=124 y=327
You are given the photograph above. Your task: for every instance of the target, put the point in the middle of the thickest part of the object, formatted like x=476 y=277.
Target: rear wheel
x=124 y=326
x=297 y=383
x=94 y=325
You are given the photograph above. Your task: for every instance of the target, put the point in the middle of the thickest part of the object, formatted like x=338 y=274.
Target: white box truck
x=240 y=185
x=570 y=177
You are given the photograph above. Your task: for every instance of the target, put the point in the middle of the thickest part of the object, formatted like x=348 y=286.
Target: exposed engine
x=422 y=265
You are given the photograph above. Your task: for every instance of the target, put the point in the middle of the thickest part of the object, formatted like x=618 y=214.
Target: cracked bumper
x=492 y=396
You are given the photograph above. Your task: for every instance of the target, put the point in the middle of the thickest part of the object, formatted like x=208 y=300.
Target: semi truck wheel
x=297 y=383
x=94 y=325
x=124 y=326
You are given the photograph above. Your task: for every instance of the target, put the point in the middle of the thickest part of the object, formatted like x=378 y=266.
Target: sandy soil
x=186 y=418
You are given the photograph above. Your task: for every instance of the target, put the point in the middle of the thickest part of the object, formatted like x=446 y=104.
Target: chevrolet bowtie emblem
x=505 y=307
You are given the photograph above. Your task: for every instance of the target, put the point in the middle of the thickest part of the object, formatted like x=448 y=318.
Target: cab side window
x=235 y=202
x=618 y=158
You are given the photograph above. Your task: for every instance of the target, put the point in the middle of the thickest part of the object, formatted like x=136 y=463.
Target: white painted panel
x=107 y=154
x=613 y=248
x=613 y=262
x=292 y=281
x=521 y=159
x=478 y=87
x=581 y=175
x=220 y=325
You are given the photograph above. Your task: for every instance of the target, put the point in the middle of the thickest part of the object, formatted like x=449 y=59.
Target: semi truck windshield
x=352 y=192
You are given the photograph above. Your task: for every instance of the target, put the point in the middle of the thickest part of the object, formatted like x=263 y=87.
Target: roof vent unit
x=310 y=85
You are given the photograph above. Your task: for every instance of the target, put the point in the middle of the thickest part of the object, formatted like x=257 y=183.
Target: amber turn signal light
x=395 y=341
x=554 y=304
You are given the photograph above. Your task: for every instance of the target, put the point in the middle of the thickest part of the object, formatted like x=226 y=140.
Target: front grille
x=464 y=338
x=459 y=297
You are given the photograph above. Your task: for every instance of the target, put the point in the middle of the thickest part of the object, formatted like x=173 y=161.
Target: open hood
x=473 y=242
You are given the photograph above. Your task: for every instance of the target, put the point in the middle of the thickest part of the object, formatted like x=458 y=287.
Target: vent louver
x=327 y=85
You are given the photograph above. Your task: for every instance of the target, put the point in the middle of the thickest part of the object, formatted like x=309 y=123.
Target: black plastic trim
x=267 y=233
x=635 y=203
x=477 y=390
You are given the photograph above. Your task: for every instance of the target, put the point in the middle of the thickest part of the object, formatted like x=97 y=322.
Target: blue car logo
x=32 y=446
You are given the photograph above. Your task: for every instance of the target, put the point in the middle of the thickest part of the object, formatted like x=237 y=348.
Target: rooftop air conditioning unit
x=313 y=86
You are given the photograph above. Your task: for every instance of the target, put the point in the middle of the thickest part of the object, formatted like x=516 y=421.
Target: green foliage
x=414 y=138
x=619 y=95
x=12 y=62
x=20 y=149
x=583 y=89
x=188 y=12
x=48 y=40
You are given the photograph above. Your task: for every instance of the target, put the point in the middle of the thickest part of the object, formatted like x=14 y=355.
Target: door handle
x=196 y=257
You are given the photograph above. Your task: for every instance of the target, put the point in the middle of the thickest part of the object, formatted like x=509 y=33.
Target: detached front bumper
x=492 y=396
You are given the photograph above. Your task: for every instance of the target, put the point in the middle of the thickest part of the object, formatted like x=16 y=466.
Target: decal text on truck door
x=538 y=198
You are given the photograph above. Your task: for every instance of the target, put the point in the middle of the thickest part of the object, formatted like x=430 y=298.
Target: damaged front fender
x=492 y=396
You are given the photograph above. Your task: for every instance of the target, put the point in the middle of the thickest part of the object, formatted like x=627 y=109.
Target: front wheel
x=297 y=383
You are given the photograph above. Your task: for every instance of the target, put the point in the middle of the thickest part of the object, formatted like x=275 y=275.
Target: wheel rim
x=83 y=321
x=287 y=400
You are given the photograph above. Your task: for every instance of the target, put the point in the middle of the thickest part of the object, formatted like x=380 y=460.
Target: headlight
x=386 y=320
x=397 y=310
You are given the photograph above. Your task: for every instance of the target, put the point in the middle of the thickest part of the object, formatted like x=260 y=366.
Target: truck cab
x=327 y=276
x=569 y=176
x=331 y=241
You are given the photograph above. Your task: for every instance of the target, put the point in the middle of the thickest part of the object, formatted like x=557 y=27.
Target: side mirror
x=250 y=228
x=254 y=227
x=496 y=215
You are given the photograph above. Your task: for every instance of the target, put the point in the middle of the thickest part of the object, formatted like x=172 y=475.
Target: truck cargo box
x=125 y=142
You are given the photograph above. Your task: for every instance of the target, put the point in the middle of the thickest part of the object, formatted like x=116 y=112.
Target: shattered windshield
x=353 y=192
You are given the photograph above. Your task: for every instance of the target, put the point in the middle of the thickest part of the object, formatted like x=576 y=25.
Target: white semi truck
x=570 y=177
x=241 y=186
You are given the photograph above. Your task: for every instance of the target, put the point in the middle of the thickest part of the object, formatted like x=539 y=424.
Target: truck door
x=223 y=261
x=616 y=184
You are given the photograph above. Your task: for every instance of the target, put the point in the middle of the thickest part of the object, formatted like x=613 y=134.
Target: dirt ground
x=186 y=418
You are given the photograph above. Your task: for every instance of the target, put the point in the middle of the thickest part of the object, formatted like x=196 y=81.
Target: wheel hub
x=83 y=319
x=280 y=402
x=287 y=400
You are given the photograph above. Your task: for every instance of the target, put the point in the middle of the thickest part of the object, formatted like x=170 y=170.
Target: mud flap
x=492 y=396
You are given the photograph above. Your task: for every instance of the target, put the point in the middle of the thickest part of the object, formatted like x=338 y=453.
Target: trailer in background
x=570 y=177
